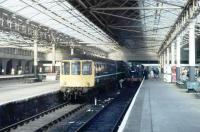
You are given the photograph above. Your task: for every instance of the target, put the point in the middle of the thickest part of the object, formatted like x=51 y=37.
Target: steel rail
x=117 y=121
x=15 y=125
x=93 y=117
x=59 y=119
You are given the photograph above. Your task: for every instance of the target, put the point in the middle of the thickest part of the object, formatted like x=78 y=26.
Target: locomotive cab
x=77 y=75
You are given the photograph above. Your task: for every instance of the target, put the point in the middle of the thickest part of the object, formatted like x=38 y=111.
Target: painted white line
x=124 y=121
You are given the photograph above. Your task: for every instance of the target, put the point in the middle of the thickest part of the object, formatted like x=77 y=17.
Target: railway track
x=109 y=118
x=46 y=119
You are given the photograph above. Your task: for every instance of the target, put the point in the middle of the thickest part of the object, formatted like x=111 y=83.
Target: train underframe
x=87 y=93
x=72 y=93
x=102 y=86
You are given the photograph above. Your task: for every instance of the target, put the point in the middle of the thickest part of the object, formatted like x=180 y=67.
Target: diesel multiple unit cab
x=79 y=76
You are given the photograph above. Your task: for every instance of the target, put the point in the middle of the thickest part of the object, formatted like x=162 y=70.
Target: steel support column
x=173 y=72
x=168 y=56
x=178 y=57
x=164 y=64
x=168 y=67
x=172 y=54
x=53 y=57
x=192 y=51
x=35 y=54
x=160 y=60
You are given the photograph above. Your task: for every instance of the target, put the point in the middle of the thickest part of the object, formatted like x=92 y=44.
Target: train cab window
x=66 y=68
x=87 y=68
x=75 y=68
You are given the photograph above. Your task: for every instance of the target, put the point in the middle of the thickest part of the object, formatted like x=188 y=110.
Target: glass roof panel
x=61 y=16
x=28 y=12
x=15 y=5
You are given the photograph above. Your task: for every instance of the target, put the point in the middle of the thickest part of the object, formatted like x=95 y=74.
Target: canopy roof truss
x=188 y=15
x=55 y=21
x=147 y=25
x=134 y=24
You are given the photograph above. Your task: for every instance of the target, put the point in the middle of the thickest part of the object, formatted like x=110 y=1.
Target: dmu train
x=80 y=76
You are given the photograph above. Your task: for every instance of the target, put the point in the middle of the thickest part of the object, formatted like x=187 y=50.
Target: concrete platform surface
x=15 y=76
x=163 y=107
x=17 y=90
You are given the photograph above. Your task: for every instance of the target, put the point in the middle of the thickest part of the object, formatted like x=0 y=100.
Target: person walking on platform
x=146 y=73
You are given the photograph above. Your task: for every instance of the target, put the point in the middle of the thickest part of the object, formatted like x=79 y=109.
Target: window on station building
x=87 y=68
x=66 y=68
x=75 y=68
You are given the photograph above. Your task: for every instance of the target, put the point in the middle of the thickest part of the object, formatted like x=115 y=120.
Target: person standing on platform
x=151 y=73
x=156 y=72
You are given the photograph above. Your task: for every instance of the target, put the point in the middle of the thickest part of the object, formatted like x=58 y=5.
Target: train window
x=86 y=68
x=66 y=68
x=75 y=68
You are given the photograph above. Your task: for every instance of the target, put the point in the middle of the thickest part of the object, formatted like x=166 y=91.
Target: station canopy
x=63 y=17
x=137 y=25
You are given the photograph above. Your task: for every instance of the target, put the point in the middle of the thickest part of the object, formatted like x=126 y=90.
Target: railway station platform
x=17 y=90
x=162 y=107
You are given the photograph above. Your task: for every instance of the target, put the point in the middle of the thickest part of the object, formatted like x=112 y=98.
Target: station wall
x=126 y=55
x=60 y=54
